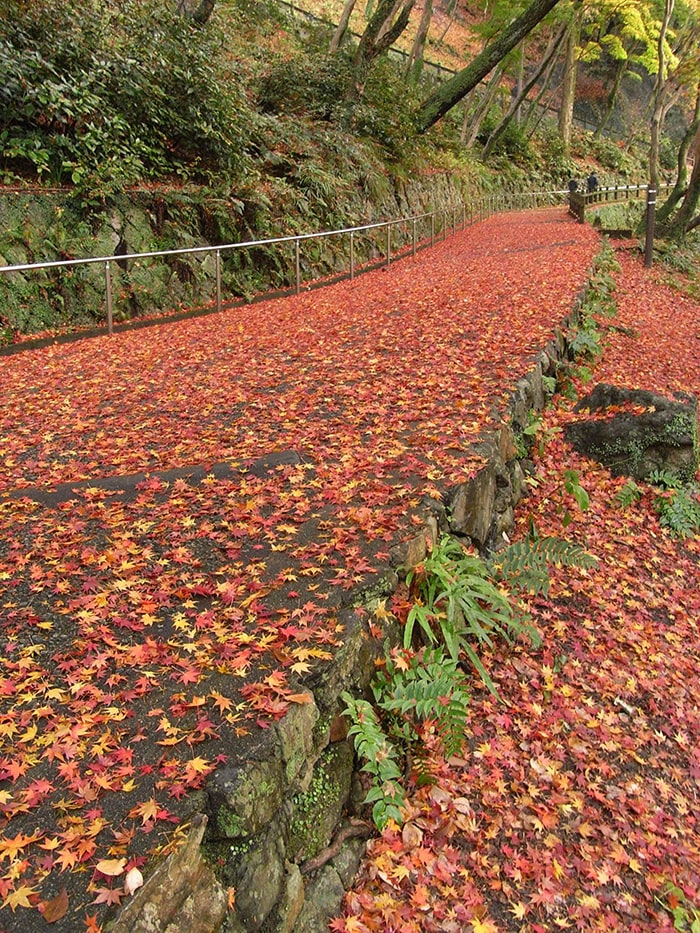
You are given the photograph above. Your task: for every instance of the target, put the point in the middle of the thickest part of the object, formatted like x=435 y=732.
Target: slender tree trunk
x=686 y=219
x=381 y=32
x=342 y=26
x=521 y=80
x=681 y=183
x=552 y=50
x=568 y=88
x=203 y=12
x=544 y=88
x=414 y=65
x=620 y=72
x=657 y=116
x=451 y=92
x=484 y=106
x=656 y=125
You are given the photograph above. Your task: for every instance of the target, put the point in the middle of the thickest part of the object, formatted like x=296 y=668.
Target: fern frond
x=524 y=565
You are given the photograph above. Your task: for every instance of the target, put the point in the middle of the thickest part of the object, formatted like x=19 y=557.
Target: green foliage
x=679 y=511
x=686 y=915
x=381 y=760
x=628 y=494
x=459 y=605
x=412 y=689
x=432 y=687
x=598 y=301
x=314 y=86
x=524 y=565
x=105 y=94
x=665 y=479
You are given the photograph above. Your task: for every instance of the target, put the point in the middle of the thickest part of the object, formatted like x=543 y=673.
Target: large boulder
x=635 y=432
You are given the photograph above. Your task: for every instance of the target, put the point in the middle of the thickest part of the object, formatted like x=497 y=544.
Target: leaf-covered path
x=259 y=465
x=576 y=805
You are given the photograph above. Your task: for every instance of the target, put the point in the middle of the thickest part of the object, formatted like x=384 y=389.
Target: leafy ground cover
x=184 y=510
x=575 y=804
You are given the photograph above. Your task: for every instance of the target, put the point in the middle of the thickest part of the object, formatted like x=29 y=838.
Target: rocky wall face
x=37 y=227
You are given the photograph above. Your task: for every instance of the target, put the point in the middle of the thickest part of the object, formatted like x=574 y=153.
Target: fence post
x=651 y=220
x=388 y=245
x=432 y=228
x=413 y=238
x=108 y=295
x=352 y=254
x=297 y=268
x=218 y=280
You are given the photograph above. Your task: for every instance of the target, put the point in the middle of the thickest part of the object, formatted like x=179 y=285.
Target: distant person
x=573 y=185
x=592 y=182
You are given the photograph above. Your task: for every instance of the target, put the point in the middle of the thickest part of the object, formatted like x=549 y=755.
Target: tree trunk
x=203 y=12
x=414 y=65
x=381 y=32
x=620 y=72
x=568 y=88
x=681 y=182
x=656 y=125
x=487 y=98
x=342 y=26
x=525 y=89
x=686 y=219
x=451 y=92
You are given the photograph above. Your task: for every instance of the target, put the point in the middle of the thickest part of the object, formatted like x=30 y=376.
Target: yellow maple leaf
x=19 y=897
x=484 y=926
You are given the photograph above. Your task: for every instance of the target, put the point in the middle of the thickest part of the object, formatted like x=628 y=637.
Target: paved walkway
x=195 y=500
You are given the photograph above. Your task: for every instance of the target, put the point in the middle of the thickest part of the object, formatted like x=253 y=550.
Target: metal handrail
x=477 y=211
x=611 y=194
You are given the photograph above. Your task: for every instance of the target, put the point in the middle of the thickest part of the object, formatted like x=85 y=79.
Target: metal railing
x=579 y=201
x=393 y=239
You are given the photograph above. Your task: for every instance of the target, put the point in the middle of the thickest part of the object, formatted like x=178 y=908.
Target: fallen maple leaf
x=56 y=908
x=111 y=867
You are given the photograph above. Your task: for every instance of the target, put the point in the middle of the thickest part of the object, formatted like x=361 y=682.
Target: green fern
x=381 y=760
x=679 y=511
x=664 y=479
x=524 y=565
x=423 y=687
x=628 y=494
x=432 y=687
x=459 y=605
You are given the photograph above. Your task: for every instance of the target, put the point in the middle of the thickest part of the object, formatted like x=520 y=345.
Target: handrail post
x=464 y=215
x=388 y=245
x=352 y=254
x=650 y=223
x=444 y=224
x=108 y=295
x=297 y=268
x=432 y=228
x=218 y=280
x=413 y=238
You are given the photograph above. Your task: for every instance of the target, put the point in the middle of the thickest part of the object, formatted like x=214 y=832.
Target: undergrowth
x=461 y=604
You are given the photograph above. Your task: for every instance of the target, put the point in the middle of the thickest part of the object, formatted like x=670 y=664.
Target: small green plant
x=549 y=384
x=524 y=565
x=679 y=511
x=459 y=605
x=411 y=689
x=381 y=760
x=628 y=495
x=665 y=479
x=686 y=915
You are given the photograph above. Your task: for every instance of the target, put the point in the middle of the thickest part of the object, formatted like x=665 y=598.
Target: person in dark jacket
x=592 y=182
